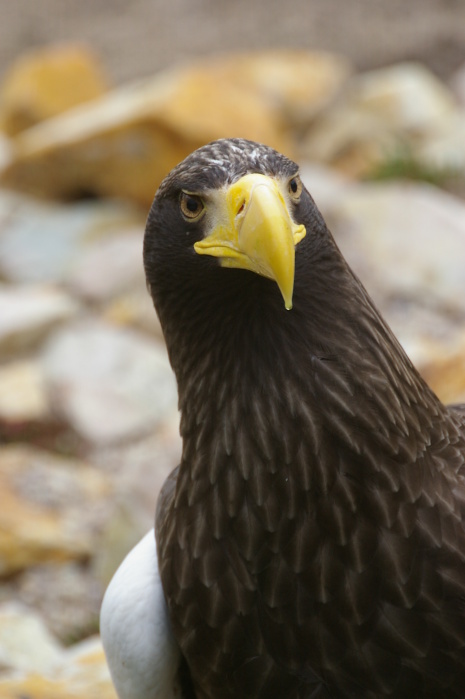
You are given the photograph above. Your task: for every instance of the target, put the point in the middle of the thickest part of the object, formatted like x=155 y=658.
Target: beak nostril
x=241 y=207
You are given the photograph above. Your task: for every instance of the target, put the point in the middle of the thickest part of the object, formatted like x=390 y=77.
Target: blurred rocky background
x=97 y=102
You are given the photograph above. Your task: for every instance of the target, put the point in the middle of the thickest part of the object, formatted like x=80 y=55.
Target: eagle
x=311 y=542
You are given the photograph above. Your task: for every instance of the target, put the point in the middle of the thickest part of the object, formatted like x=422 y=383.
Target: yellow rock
x=298 y=83
x=445 y=373
x=46 y=508
x=134 y=309
x=126 y=142
x=37 y=687
x=22 y=392
x=46 y=82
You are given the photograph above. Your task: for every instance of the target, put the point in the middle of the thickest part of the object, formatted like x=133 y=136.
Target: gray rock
x=66 y=595
x=324 y=184
x=151 y=459
x=382 y=113
x=406 y=242
x=409 y=241
x=109 y=266
x=28 y=314
x=112 y=384
x=40 y=241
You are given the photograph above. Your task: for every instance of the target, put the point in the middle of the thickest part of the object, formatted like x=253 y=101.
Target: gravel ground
x=138 y=37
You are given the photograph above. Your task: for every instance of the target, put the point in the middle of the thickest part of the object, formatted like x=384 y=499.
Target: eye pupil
x=192 y=204
x=293 y=185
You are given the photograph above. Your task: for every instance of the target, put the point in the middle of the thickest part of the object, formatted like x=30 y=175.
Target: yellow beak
x=255 y=231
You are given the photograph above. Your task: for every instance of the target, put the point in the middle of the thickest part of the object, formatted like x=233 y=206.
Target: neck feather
x=328 y=366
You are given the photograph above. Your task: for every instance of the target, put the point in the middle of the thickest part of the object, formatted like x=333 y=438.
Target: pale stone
x=25 y=642
x=41 y=242
x=112 y=384
x=407 y=245
x=22 y=392
x=28 y=314
x=46 y=82
x=425 y=332
x=67 y=594
x=351 y=141
x=444 y=149
x=151 y=459
x=82 y=674
x=406 y=95
x=406 y=240
x=108 y=267
x=381 y=114
x=49 y=508
x=325 y=185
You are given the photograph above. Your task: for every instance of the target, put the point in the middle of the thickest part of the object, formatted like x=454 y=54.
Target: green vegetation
x=404 y=165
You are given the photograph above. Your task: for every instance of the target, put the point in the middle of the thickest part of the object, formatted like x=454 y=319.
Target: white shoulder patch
x=141 y=652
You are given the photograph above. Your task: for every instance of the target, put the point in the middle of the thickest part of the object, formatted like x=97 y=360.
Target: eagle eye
x=295 y=188
x=192 y=206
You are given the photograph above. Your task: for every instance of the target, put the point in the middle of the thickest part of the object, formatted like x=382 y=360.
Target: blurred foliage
x=403 y=165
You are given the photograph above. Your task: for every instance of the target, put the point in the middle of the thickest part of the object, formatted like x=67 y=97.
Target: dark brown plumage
x=312 y=543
